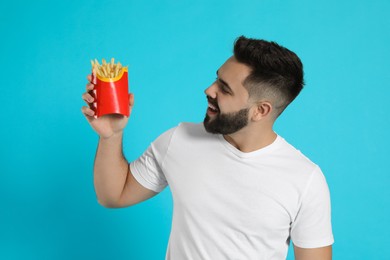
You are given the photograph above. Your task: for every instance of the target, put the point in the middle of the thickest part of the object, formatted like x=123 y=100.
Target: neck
x=248 y=140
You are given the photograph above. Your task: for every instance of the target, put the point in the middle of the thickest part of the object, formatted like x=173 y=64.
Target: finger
x=92 y=77
x=87 y=111
x=90 y=86
x=87 y=97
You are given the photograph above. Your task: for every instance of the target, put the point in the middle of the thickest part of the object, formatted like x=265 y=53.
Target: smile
x=213 y=108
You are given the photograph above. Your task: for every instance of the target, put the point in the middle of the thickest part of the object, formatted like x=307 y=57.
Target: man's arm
x=320 y=253
x=114 y=184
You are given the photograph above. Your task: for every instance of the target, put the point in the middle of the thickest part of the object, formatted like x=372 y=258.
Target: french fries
x=107 y=70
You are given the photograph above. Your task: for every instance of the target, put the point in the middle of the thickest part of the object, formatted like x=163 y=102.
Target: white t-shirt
x=234 y=205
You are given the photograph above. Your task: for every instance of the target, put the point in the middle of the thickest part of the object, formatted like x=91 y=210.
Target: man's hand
x=107 y=125
x=320 y=253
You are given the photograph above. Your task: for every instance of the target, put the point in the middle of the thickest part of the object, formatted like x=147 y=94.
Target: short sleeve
x=312 y=226
x=147 y=169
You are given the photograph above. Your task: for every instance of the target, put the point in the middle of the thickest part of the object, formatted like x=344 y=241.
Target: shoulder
x=290 y=150
x=191 y=130
x=183 y=131
x=295 y=159
x=190 y=136
x=194 y=127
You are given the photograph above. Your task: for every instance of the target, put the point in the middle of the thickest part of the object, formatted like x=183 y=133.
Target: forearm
x=110 y=170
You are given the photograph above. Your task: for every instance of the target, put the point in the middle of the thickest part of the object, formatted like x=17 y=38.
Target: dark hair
x=277 y=73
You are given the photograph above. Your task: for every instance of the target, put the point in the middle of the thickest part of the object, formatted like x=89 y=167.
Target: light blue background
x=173 y=48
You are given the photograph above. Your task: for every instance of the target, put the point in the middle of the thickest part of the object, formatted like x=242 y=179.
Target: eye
x=223 y=89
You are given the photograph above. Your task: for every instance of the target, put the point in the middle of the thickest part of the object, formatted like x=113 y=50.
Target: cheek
x=228 y=105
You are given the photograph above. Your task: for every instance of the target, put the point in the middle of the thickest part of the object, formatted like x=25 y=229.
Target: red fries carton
x=111 y=93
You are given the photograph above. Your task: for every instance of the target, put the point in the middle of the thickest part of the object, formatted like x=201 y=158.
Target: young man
x=240 y=190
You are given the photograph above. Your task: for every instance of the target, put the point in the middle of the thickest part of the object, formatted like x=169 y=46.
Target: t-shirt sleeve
x=312 y=226
x=147 y=169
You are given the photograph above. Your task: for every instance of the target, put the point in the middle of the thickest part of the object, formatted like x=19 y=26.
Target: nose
x=211 y=91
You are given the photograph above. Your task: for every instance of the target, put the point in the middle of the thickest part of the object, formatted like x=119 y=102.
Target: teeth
x=212 y=107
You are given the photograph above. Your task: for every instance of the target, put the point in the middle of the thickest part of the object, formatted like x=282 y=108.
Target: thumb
x=131 y=103
x=131 y=99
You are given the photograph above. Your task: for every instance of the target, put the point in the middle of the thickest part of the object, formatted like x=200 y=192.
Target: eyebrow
x=224 y=83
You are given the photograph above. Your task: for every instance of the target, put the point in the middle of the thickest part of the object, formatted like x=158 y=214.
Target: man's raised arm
x=114 y=184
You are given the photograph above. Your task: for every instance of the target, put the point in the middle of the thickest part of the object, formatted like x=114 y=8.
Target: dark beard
x=226 y=123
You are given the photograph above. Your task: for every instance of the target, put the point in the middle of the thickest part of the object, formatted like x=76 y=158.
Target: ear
x=261 y=110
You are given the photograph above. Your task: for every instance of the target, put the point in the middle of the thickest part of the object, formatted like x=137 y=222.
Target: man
x=240 y=190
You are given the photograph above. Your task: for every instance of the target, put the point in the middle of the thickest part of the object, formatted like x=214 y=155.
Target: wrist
x=113 y=136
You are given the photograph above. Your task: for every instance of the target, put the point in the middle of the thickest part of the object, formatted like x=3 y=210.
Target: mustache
x=213 y=101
